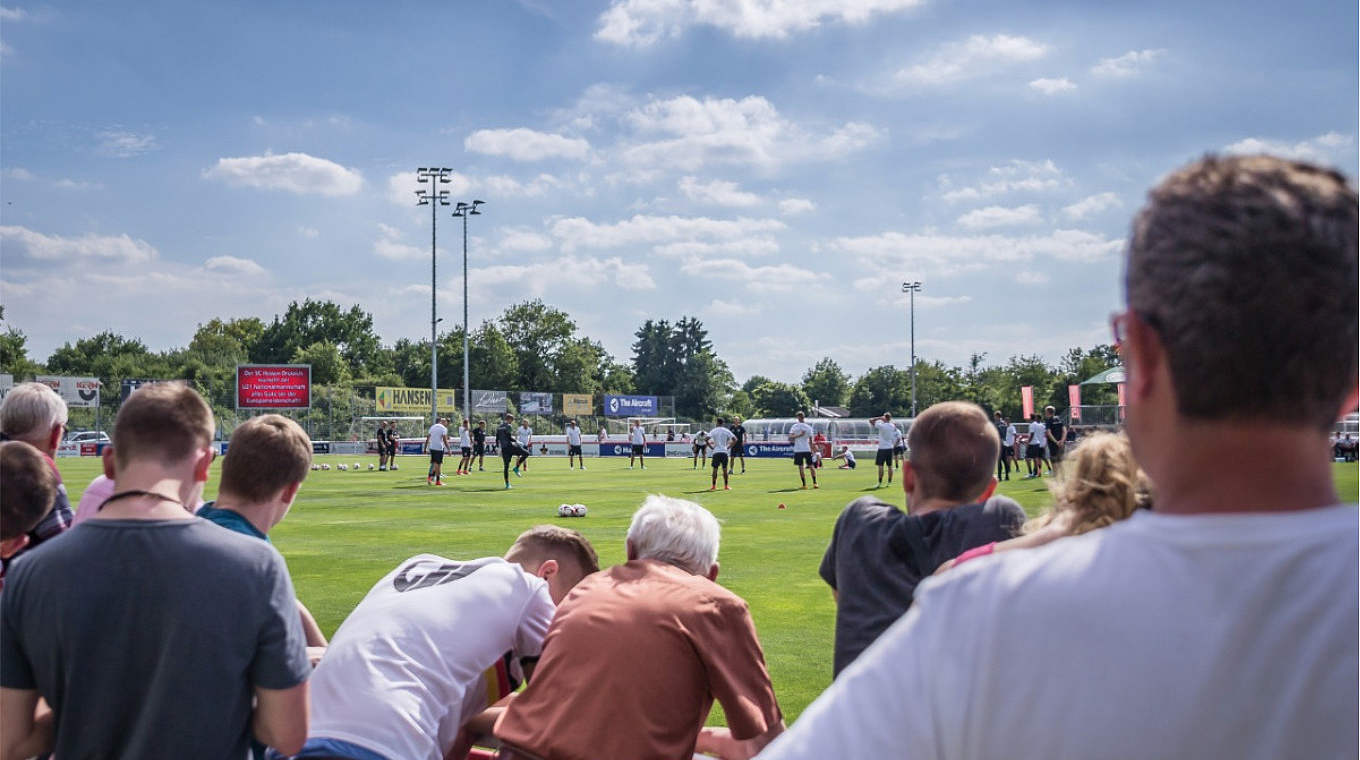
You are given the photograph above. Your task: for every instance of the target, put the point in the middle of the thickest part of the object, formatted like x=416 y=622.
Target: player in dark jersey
x=393 y=440
x=382 y=445
x=479 y=444
x=738 y=444
x=505 y=441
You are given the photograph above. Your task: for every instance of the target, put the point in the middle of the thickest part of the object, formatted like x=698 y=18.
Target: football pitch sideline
x=348 y=529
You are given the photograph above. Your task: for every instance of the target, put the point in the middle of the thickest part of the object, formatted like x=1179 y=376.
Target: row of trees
x=533 y=346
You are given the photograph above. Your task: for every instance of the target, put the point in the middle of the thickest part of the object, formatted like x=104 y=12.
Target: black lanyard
x=127 y=494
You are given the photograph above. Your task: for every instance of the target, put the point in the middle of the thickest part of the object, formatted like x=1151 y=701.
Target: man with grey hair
x=35 y=414
x=1223 y=623
x=656 y=640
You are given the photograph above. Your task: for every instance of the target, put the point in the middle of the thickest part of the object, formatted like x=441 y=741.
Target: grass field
x=348 y=529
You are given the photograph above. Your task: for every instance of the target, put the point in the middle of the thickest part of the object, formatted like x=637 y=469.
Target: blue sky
x=775 y=168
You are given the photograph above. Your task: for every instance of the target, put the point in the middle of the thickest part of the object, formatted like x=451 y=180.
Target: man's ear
x=908 y=476
x=547 y=569
x=713 y=572
x=54 y=437
x=109 y=470
x=11 y=546
x=289 y=493
x=203 y=464
x=1352 y=399
x=1143 y=355
x=987 y=493
x=630 y=552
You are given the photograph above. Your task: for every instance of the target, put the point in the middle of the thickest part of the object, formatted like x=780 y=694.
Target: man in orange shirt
x=637 y=654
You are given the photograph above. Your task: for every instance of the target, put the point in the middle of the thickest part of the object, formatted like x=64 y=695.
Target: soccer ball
x=371 y=467
x=392 y=466
x=325 y=467
x=579 y=510
x=357 y=466
x=315 y=467
x=341 y=467
x=564 y=510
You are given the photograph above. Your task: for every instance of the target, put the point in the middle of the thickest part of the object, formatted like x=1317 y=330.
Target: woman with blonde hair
x=1099 y=484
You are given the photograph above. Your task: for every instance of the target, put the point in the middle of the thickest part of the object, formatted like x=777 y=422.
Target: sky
x=777 y=168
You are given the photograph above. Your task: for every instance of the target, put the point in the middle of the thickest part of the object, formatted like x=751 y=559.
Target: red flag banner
x=1122 y=400
x=1027 y=400
x=1074 y=401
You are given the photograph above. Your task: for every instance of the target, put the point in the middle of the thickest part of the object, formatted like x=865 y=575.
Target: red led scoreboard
x=273 y=386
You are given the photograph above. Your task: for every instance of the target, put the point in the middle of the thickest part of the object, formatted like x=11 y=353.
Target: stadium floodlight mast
x=912 y=287
x=434 y=198
x=465 y=210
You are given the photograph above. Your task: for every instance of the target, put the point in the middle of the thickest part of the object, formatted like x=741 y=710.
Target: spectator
x=1006 y=432
x=1223 y=623
x=878 y=553
x=1100 y=486
x=35 y=414
x=675 y=641
x=410 y=665
x=28 y=489
x=175 y=626
x=270 y=456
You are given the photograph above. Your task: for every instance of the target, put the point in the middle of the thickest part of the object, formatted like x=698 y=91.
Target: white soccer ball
x=315 y=467
x=357 y=467
x=371 y=467
x=325 y=467
x=392 y=467
x=579 y=510
x=341 y=467
x=564 y=510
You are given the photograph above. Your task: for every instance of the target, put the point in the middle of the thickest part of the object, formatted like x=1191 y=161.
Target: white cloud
x=576 y=232
x=24 y=175
x=519 y=239
x=23 y=242
x=1052 y=86
x=508 y=187
x=12 y=14
x=796 y=206
x=308 y=232
x=295 y=172
x=19 y=173
x=720 y=308
x=231 y=265
x=1126 y=65
x=402 y=187
x=973 y=57
x=1029 y=277
x=1093 y=204
x=390 y=246
x=687 y=133
x=694 y=249
x=923 y=254
x=718 y=193
x=1000 y=216
x=125 y=144
x=526 y=144
x=1325 y=147
x=1014 y=176
x=567 y=271
x=771 y=278
x=643 y=22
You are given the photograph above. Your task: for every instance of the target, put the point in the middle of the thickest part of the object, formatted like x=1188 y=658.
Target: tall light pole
x=465 y=210
x=912 y=287
x=434 y=198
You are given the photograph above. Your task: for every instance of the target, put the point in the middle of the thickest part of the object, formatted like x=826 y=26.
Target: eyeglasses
x=1119 y=325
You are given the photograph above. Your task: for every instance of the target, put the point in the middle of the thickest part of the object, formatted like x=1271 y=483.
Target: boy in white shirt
x=887 y=441
x=637 y=439
x=800 y=433
x=437 y=444
x=465 y=446
x=720 y=439
x=574 y=445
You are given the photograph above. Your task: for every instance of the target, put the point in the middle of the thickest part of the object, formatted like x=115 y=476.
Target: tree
x=775 y=399
x=653 y=365
x=740 y=403
x=580 y=366
x=826 y=384
x=351 y=331
x=537 y=334
x=755 y=381
x=494 y=364
x=616 y=377
x=14 y=352
x=881 y=389
x=702 y=386
x=328 y=366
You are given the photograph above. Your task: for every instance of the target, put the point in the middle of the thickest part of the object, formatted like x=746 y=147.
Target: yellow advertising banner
x=577 y=403
x=413 y=399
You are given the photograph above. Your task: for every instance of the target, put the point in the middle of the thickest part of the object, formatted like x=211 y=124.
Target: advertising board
x=273 y=386
x=630 y=406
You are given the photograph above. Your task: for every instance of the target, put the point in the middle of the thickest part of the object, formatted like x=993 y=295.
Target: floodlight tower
x=912 y=288
x=465 y=210
x=434 y=198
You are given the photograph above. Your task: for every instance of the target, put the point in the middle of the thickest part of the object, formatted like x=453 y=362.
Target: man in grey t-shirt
x=878 y=553
x=147 y=630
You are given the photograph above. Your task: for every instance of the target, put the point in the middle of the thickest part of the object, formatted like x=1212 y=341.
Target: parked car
x=88 y=436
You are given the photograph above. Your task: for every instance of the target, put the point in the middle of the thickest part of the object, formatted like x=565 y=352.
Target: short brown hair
x=1246 y=269
x=266 y=454
x=953 y=451
x=568 y=547
x=163 y=421
x=28 y=488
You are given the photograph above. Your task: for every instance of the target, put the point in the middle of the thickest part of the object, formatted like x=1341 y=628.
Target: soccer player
x=638 y=438
x=382 y=445
x=393 y=439
x=1055 y=433
x=1034 y=452
x=479 y=445
x=465 y=448
x=437 y=443
x=524 y=435
x=700 y=449
x=574 y=444
x=739 y=444
x=720 y=438
x=800 y=433
x=899 y=449
x=848 y=456
x=1003 y=462
x=887 y=440
x=505 y=441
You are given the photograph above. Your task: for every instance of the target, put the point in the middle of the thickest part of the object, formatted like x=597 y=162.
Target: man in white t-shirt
x=465 y=448
x=700 y=449
x=1224 y=623
x=887 y=440
x=524 y=435
x=637 y=439
x=800 y=433
x=1035 y=450
x=425 y=652
x=437 y=443
x=574 y=445
x=847 y=455
x=720 y=439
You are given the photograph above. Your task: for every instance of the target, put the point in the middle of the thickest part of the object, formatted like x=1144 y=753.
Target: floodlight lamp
x=478 y=203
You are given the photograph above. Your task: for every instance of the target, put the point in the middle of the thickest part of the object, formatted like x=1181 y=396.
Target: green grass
x=348 y=529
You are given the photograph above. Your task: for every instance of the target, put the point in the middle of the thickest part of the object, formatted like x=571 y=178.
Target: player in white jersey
x=637 y=439
x=437 y=444
x=848 y=456
x=523 y=436
x=465 y=446
x=887 y=441
x=700 y=449
x=574 y=444
x=413 y=663
x=800 y=433
x=720 y=439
